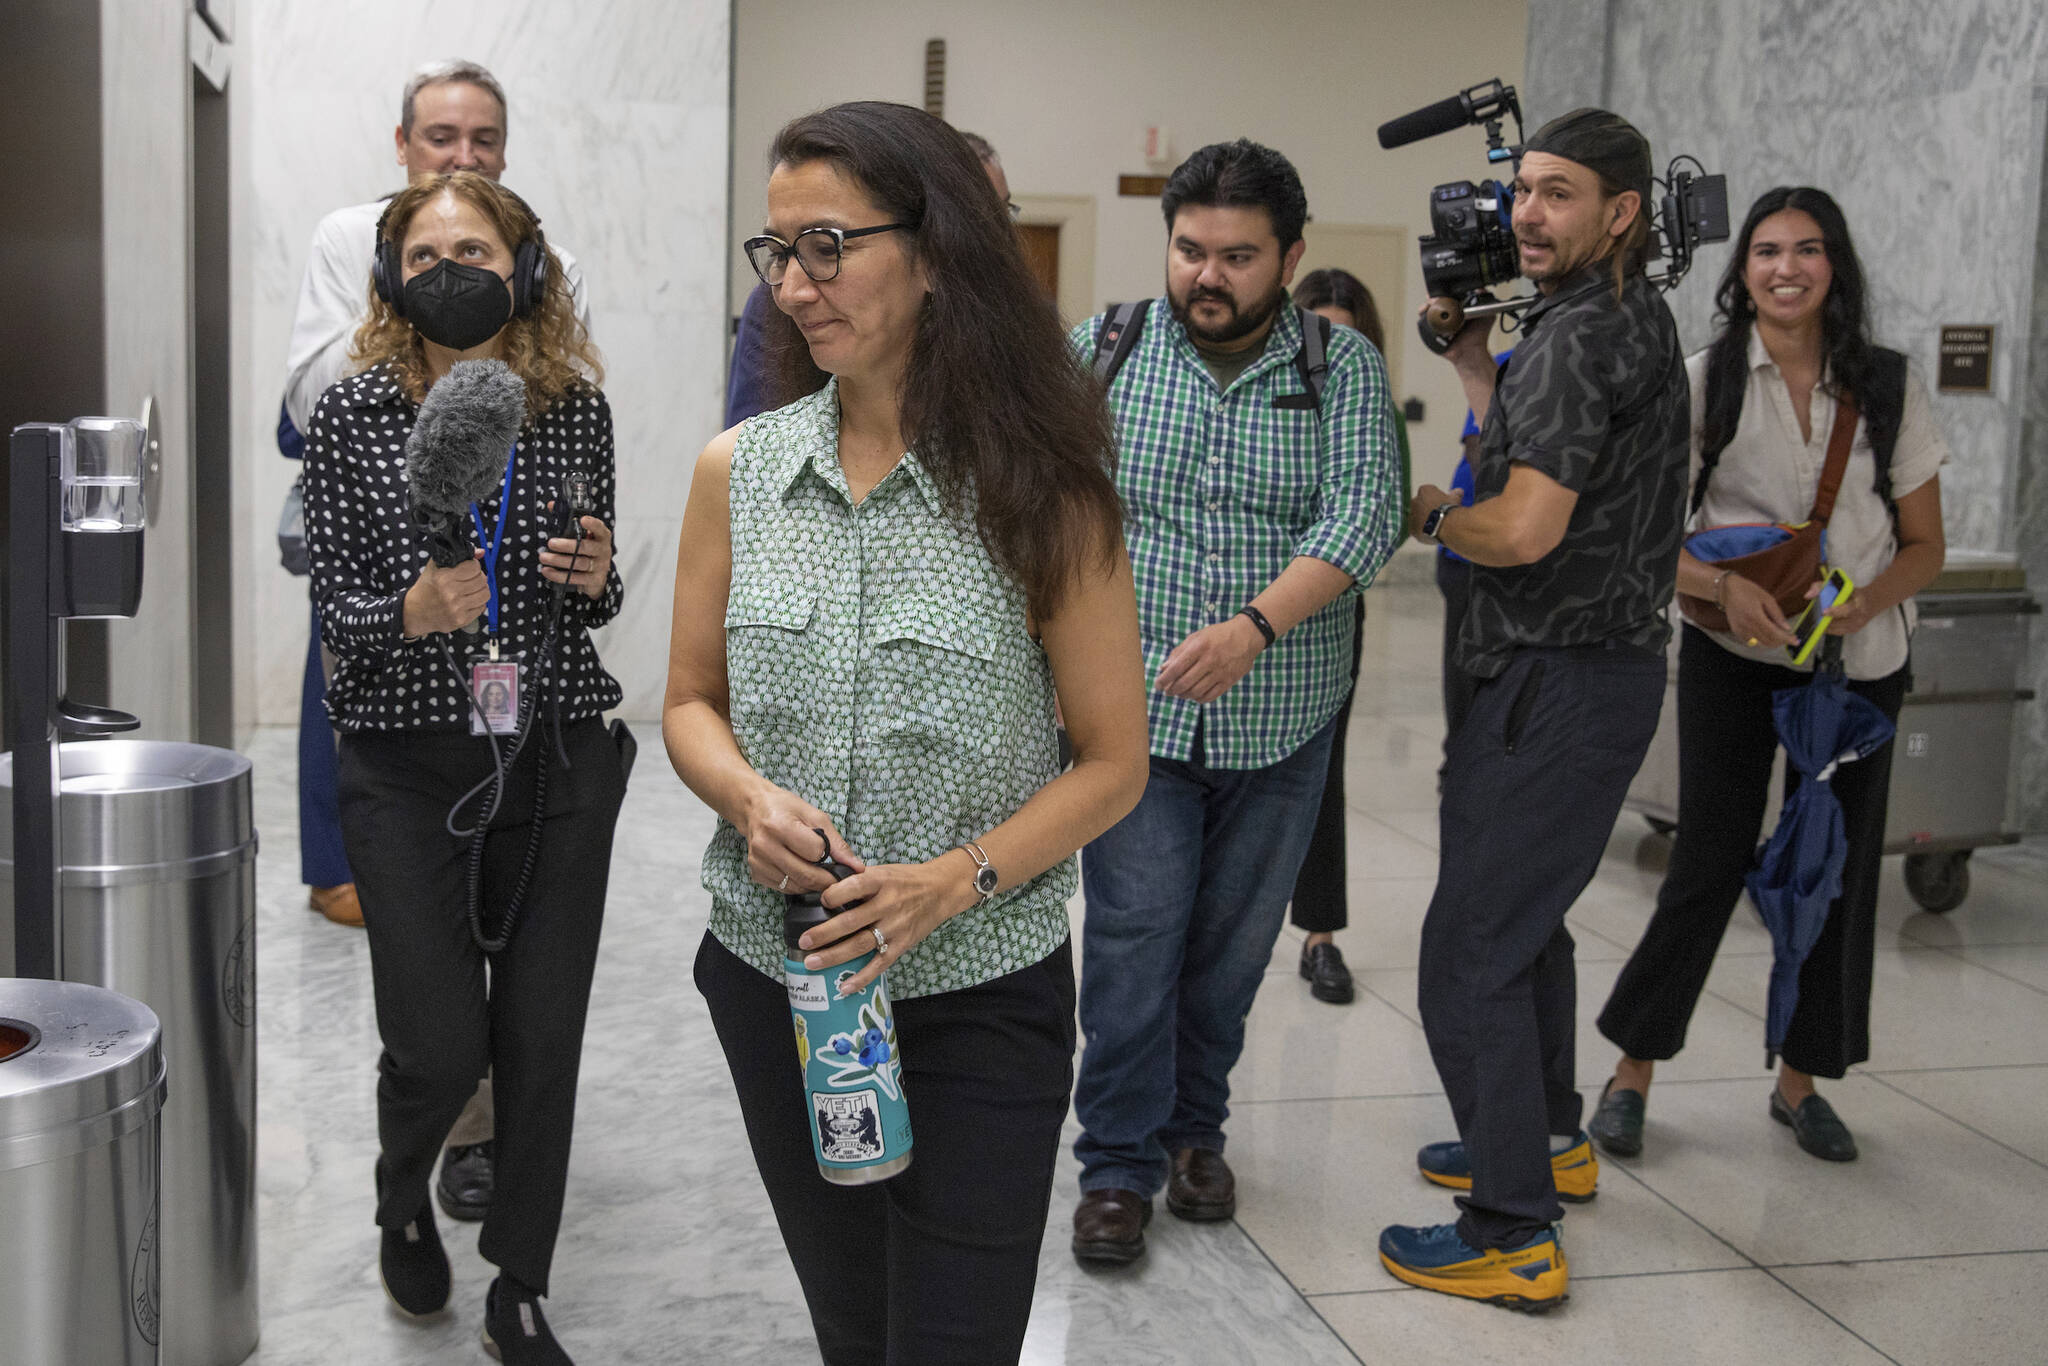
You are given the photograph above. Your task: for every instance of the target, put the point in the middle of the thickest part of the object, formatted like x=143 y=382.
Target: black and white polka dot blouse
x=367 y=551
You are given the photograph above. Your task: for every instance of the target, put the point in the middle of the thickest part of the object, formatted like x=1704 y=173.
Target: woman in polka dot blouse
x=881 y=587
x=464 y=981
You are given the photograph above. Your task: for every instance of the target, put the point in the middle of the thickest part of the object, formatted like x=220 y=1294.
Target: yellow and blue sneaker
x=1576 y=1170
x=1531 y=1277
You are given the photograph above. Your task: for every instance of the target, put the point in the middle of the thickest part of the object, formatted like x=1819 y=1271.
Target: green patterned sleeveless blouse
x=879 y=668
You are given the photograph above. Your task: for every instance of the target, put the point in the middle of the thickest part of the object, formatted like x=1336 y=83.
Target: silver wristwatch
x=1435 y=519
x=985 y=877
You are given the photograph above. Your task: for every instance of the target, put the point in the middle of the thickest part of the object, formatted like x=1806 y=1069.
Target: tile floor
x=1722 y=1244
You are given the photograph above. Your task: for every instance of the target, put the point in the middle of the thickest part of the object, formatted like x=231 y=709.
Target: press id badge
x=494 y=688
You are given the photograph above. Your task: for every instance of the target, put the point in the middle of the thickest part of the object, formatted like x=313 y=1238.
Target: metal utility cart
x=1953 y=761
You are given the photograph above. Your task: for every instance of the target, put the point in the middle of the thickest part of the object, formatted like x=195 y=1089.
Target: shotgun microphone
x=457 y=451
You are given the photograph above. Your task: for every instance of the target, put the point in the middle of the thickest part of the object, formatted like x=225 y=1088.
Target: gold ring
x=881 y=944
x=785 y=883
x=1752 y=640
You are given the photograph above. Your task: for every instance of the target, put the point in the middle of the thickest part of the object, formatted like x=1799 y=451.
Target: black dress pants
x=446 y=1011
x=1726 y=743
x=1533 y=781
x=1321 y=903
x=937 y=1263
x=1454 y=582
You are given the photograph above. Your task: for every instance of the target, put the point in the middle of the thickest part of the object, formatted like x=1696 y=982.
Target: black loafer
x=467 y=1178
x=1817 y=1127
x=1328 y=978
x=516 y=1332
x=1617 y=1123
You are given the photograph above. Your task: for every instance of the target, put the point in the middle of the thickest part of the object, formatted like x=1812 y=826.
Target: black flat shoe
x=1328 y=978
x=413 y=1265
x=1617 y=1124
x=1817 y=1127
x=515 y=1330
x=468 y=1175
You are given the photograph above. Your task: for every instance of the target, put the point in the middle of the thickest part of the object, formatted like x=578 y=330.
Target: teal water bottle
x=853 y=1073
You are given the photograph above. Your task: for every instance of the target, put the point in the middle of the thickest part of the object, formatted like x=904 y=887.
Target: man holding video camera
x=1573 y=539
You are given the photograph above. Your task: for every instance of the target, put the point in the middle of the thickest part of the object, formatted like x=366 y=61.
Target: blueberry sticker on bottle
x=853 y=1071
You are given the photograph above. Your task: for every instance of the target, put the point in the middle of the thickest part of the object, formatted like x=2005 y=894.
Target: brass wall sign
x=1966 y=359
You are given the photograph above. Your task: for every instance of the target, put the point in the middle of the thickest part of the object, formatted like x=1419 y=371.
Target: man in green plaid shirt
x=1253 y=512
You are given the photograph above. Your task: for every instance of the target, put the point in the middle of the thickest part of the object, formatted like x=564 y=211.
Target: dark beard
x=1242 y=323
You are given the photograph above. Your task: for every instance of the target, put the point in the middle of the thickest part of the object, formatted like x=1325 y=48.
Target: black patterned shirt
x=367 y=551
x=1595 y=397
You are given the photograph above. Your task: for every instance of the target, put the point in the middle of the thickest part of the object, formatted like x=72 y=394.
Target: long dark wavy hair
x=1334 y=288
x=1844 y=319
x=994 y=402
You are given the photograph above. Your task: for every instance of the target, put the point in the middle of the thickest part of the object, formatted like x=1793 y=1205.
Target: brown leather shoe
x=338 y=904
x=1201 y=1187
x=1109 y=1227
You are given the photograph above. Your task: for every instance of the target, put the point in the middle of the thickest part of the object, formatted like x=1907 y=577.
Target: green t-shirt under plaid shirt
x=879 y=667
x=1222 y=490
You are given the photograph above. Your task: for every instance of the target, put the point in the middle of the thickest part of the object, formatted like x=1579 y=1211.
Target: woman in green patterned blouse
x=881 y=588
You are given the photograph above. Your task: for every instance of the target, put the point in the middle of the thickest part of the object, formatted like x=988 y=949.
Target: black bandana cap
x=1604 y=142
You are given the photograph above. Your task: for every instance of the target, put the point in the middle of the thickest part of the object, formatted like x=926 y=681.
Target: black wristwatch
x=985 y=876
x=1436 y=519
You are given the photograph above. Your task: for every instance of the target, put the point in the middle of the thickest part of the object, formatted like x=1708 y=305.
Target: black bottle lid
x=802 y=911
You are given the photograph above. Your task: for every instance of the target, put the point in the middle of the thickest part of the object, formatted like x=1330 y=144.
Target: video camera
x=1471 y=246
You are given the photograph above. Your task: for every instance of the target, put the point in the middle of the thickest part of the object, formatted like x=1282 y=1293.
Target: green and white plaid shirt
x=1222 y=491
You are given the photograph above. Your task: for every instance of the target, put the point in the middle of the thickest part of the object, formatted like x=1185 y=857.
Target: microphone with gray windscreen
x=457 y=451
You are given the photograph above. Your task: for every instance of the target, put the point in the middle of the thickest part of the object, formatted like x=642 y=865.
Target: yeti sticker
x=849 y=1127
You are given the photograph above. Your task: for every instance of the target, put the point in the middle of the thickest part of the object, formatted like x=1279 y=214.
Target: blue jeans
x=323 y=862
x=1185 y=898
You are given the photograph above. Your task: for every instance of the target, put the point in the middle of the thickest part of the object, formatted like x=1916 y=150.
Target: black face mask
x=457 y=306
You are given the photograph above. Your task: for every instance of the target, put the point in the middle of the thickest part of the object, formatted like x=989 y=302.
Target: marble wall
x=145 y=160
x=618 y=136
x=1926 y=124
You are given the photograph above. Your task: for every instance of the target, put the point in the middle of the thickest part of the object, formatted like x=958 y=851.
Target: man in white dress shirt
x=451 y=118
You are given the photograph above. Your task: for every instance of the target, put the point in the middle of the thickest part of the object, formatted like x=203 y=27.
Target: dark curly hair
x=1241 y=174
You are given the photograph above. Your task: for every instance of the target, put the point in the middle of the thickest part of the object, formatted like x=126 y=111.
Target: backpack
x=1123 y=322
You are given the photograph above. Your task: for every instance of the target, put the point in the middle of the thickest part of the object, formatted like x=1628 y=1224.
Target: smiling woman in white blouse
x=479 y=787
x=1793 y=359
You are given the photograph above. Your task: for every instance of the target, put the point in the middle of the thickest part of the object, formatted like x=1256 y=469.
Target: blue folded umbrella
x=1716 y=543
x=1798 y=871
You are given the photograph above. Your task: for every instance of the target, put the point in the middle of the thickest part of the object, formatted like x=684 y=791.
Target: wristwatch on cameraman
x=985 y=877
x=1435 y=520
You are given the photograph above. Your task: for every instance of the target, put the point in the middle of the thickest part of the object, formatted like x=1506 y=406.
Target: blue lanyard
x=497 y=539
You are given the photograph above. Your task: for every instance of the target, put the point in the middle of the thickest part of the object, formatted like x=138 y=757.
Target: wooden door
x=1042 y=249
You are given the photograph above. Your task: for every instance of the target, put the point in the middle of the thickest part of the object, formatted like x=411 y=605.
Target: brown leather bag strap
x=1840 y=437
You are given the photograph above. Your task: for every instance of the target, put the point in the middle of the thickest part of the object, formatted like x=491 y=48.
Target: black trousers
x=1726 y=742
x=937 y=1263
x=1454 y=581
x=1533 y=781
x=446 y=1011
x=1321 y=903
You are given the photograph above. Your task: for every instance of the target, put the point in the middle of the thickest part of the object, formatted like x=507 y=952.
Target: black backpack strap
x=1118 y=337
x=1313 y=359
x=1886 y=409
x=1710 y=453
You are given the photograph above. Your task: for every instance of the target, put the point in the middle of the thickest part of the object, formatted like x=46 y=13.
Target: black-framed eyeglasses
x=817 y=250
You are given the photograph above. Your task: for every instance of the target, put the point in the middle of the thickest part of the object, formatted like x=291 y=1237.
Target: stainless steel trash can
x=81 y=1091
x=159 y=893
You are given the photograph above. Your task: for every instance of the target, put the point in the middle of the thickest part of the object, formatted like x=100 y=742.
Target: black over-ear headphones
x=529 y=265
